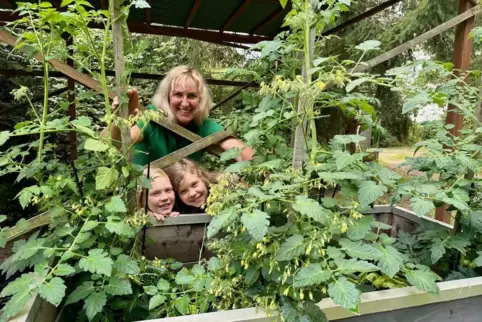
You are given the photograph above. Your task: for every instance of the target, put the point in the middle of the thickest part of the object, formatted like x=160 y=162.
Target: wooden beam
x=148 y=13
x=256 y=30
x=239 y=11
x=210 y=81
x=231 y=96
x=191 y=148
x=362 y=16
x=192 y=13
x=418 y=40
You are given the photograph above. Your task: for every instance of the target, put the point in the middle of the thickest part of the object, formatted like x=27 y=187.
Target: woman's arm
x=246 y=151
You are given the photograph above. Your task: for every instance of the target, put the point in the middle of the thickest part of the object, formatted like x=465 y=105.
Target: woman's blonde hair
x=178 y=170
x=151 y=174
x=183 y=74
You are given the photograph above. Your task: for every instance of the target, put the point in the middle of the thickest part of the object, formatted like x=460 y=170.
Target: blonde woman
x=184 y=98
x=160 y=199
x=191 y=184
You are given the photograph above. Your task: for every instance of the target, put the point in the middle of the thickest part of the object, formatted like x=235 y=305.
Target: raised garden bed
x=458 y=300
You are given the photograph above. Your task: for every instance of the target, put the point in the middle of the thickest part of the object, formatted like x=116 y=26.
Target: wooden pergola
x=238 y=22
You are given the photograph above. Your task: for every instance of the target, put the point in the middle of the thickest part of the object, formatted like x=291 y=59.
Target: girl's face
x=161 y=197
x=193 y=191
x=184 y=102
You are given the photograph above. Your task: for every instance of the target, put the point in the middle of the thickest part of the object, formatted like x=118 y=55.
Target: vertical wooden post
x=462 y=54
x=71 y=98
x=118 y=44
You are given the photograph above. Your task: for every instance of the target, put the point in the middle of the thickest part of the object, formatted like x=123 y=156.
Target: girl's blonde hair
x=183 y=74
x=153 y=173
x=178 y=170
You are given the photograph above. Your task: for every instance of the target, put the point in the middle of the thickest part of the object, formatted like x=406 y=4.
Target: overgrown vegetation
x=285 y=237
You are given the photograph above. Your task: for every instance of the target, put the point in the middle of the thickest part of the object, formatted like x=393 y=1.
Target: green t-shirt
x=159 y=141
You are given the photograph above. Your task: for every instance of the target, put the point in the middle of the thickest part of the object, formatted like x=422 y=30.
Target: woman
x=184 y=98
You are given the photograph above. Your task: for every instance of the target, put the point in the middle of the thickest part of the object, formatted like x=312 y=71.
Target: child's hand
x=159 y=217
x=174 y=214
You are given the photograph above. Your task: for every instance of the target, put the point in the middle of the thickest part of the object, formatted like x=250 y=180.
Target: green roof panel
x=212 y=15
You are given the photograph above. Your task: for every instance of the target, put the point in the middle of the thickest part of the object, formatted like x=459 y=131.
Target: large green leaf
x=184 y=277
x=230 y=154
x=350 y=266
x=391 y=261
x=4 y=135
x=424 y=280
x=351 y=86
x=311 y=275
x=63 y=270
x=95 y=145
x=105 y=177
x=221 y=220
x=369 y=192
x=97 y=262
x=15 y=304
x=417 y=101
x=344 y=293
x=81 y=292
x=118 y=286
x=359 y=227
x=422 y=206
x=335 y=177
x=156 y=300
x=94 y=304
x=214 y=264
x=311 y=208
x=53 y=291
x=314 y=312
x=437 y=250
x=369 y=45
x=163 y=285
x=256 y=223
x=182 y=304
x=126 y=265
x=359 y=250
x=292 y=247
x=115 y=204
x=20 y=283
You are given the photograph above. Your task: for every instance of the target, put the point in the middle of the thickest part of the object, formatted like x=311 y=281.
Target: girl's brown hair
x=177 y=171
x=151 y=174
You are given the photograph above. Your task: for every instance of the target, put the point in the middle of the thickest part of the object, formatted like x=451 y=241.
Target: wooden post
x=462 y=53
x=118 y=44
x=71 y=98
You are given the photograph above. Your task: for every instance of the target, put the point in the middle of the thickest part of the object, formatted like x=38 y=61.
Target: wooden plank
x=239 y=11
x=363 y=16
x=183 y=219
x=271 y=19
x=192 y=13
x=418 y=40
x=190 y=149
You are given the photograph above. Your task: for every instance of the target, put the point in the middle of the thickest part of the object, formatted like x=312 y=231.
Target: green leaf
x=115 y=204
x=53 y=291
x=4 y=236
x=183 y=277
x=251 y=275
x=256 y=223
x=94 y=304
x=198 y=270
x=238 y=166
x=97 y=262
x=126 y=265
x=369 y=45
x=105 y=178
x=344 y=159
x=334 y=253
x=15 y=304
x=283 y=3
x=350 y=266
x=391 y=261
x=417 y=101
x=424 y=280
x=359 y=250
x=20 y=283
x=182 y=304
x=314 y=312
x=156 y=300
x=95 y=145
x=351 y=86
x=291 y=248
x=437 y=251
x=81 y=292
x=118 y=286
x=422 y=206
x=150 y=290
x=369 y=192
x=359 y=227
x=311 y=208
x=311 y=275
x=344 y=293
x=90 y=225
x=230 y=154
x=163 y=285
x=4 y=135
x=214 y=264
x=63 y=270
x=221 y=220
x=477 y=261
x=3 y=218
x=119 y=227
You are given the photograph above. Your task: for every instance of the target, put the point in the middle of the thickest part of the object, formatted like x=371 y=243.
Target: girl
x=191 y=184
x=160 y=198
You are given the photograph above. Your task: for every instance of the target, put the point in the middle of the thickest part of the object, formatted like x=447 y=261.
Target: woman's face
x=193 y=191
x=161 y=197
x=184 y=102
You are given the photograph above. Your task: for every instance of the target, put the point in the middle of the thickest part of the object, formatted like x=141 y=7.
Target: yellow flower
x=344 y=227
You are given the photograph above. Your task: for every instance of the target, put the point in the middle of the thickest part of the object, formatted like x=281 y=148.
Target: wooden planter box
x=458 y=300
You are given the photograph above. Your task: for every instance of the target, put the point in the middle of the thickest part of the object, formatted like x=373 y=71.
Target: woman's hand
x=134 y=102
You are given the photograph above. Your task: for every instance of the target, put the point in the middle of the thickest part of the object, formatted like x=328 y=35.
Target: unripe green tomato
x=465 y=262
x=472 y=265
